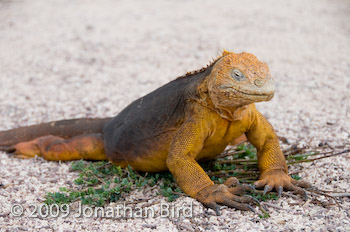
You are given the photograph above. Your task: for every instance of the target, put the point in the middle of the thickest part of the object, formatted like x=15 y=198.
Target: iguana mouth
x=253 y=94
x=267 y=94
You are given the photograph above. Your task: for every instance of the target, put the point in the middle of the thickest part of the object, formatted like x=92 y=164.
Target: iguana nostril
x=258 y=82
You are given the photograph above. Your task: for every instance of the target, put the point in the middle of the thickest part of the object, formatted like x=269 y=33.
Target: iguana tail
x=64 y=129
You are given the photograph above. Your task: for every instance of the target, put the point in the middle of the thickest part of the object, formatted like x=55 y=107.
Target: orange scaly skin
x=217 y=109
x=231 y=114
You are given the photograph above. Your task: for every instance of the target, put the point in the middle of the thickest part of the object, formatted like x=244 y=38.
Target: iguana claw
x=267 y=189
x=279 y=191
x=252 y=187
x=279 y=181
x=251 y=209
x=254 y=199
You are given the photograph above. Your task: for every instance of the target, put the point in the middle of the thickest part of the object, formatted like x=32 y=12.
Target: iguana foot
x=279 y=180
x=8 y=149
x=89 y=147
x=12 y=150
x=30 y=149
x=222 y=194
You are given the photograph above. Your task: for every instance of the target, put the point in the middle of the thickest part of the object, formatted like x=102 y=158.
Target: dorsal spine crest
x=190 y=73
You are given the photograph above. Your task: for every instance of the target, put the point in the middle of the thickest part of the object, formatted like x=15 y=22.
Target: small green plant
x=97 y=184
x=101 y=182
x=261 y=197
x=295 y=177
x=264 y=216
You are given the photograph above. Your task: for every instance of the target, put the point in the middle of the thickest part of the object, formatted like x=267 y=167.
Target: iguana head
x=239 y=79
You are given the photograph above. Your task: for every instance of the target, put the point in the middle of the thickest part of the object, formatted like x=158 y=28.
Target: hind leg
x=89 y=147
x=30 y=149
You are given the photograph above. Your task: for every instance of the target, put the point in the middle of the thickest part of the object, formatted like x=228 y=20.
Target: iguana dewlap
x=190 y=119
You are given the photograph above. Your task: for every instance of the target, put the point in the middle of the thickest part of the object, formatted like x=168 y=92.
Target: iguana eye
x=236 y=74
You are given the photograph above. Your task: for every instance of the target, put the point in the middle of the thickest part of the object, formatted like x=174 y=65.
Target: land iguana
x=191 y=119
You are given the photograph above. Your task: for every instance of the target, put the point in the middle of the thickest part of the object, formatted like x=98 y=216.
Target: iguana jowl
x=190 y=119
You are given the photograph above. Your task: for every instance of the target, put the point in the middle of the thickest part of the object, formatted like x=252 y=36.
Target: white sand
x=68 y=59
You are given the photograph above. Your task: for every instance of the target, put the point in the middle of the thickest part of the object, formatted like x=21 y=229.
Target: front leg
x=190 y=176
x=271 y=161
